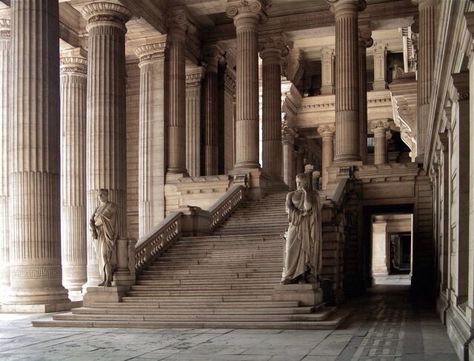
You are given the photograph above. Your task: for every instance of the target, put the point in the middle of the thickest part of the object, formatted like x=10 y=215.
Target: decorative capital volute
x=177 y=22
x=273 y=46
x=246 y=12
x=378 y=125
x=327 y=130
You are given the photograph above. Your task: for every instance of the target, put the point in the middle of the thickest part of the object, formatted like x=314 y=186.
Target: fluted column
x=379 y=128
x=105 y=133
x=5 y=157
x=246 y=17
x=347 y=146
x=73 y=168
x=380 y=66
x=288 y=140
x=426 y=60
x=35 y=243
x=327 y=139
x=271 y=53
x=327 y=71
x=229 y=116
x=211 y=108
x=365 y=41
x=177 y=24
x=151 y=135
x=193 y=120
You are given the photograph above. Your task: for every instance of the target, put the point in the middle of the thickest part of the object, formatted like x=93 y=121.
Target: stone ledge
x=104 y=294
x=306 y=294
x=39 y=308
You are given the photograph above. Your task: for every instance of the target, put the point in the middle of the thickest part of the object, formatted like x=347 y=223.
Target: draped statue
x=302 y=253
x=104 y=228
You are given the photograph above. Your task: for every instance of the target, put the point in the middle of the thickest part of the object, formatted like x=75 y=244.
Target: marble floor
x=385 y=326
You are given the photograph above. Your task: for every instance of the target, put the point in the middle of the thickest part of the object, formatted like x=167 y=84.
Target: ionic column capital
x=273 y=48
x=4 y=28
x=379 y=126
x=106 y=14
x=461 y=83
x=379 y=49
x=424 y=3
x=74 y=62
x=327 y=54
x=346 y=7
x=246 y=13
x=288 y=135
x=212 y=55
x=365 y=34
x=152 y=51
x=194 y=76
x=327 y=130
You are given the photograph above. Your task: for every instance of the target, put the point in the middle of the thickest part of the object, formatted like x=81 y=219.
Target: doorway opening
x=392 y=248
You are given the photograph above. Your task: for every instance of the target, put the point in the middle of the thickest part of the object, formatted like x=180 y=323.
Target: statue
x=104 y=228
x=302 y=254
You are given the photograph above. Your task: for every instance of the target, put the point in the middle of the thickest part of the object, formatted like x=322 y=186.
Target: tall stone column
x=271 y=53
x=211 y=108
x=347 y=146
x=152 y=134
x=327 y=139
x=105 y=133
x=229 y=116
x=365 y=41
x=177 y=92
x=246 y=17
x=379 y=127
x=194 y=78
x=300 y=160
x=380 y=66
x=379 y=248
x=327 y=71
x=426 y=60
x=35 y=241
x=5 y=157
x=288 y=140
x=73 y=168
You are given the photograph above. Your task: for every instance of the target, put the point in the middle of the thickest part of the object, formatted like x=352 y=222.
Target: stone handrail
x=222 y=209
x=159 y=239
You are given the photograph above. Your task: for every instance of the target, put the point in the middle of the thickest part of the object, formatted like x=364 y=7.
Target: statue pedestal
x=306 y=294
x=101 y=294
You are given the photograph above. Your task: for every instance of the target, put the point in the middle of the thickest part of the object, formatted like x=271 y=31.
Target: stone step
x=184 y=305
x=207 y=287
x=216 y=256
x=200 y=293
x=230 y=276
x=213 y=272
x=215 y=298
x=211 y=281
x=214 y=264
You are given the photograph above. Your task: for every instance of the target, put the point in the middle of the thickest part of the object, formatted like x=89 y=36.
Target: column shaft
x=327 y=139
x=73 y=168
x=229 y=119
x=327 y=71
x=151 y=137
x=426 y=59
x=380 y=146
x=177 y=93
x=193 y=121
x=380 y=67
x=364 y=42
x=288 y=164
x=106 y=139
x=211 y=118
x=35 y=249
x=347 y=81
x=271 y=116
x=4 y=131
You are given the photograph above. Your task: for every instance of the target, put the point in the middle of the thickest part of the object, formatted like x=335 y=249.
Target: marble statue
x=302 y=253
x=104 y=228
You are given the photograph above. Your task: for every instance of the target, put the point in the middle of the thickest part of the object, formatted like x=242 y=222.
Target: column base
x=379 y=85
x=104 y=294
x=172 y=177
x=306 y=294
x=327 y=90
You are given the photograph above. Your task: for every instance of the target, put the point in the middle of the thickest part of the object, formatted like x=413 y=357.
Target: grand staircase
x=221 y=281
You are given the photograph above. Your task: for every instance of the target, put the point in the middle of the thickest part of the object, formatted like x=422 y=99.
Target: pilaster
x=73 y=168
x=327 y=71
x=152 y=134
x=380 y=66
x=327 y=139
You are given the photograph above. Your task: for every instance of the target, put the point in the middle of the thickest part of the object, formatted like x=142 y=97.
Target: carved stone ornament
x=326 y=130
x=4 y=28
x=105 y=13
x=74 y=62
x=150 y=52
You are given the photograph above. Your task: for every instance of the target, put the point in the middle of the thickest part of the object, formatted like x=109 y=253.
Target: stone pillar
x=271 y=53
x=4 y=132
x=151 y=135
x=365 y=41
x=229 y=117
x=106 y=138
x=246 y=17
x=426 y=60
x=194 y=77
x=347 y=80
x=177 y=92
x=379 y=128
x=300 y=160
x=211 y=109
x=327 y=71
x=73 y=168
x=380 y=66
x=288 y=140
x=379 y=248
x=35 y=241
x=327 y=140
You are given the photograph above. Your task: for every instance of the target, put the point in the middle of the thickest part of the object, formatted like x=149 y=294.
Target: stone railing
x=225 y=206
x=197 y=222
x=159 y=239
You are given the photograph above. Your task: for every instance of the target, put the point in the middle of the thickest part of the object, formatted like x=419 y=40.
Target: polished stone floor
x=385 y=326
